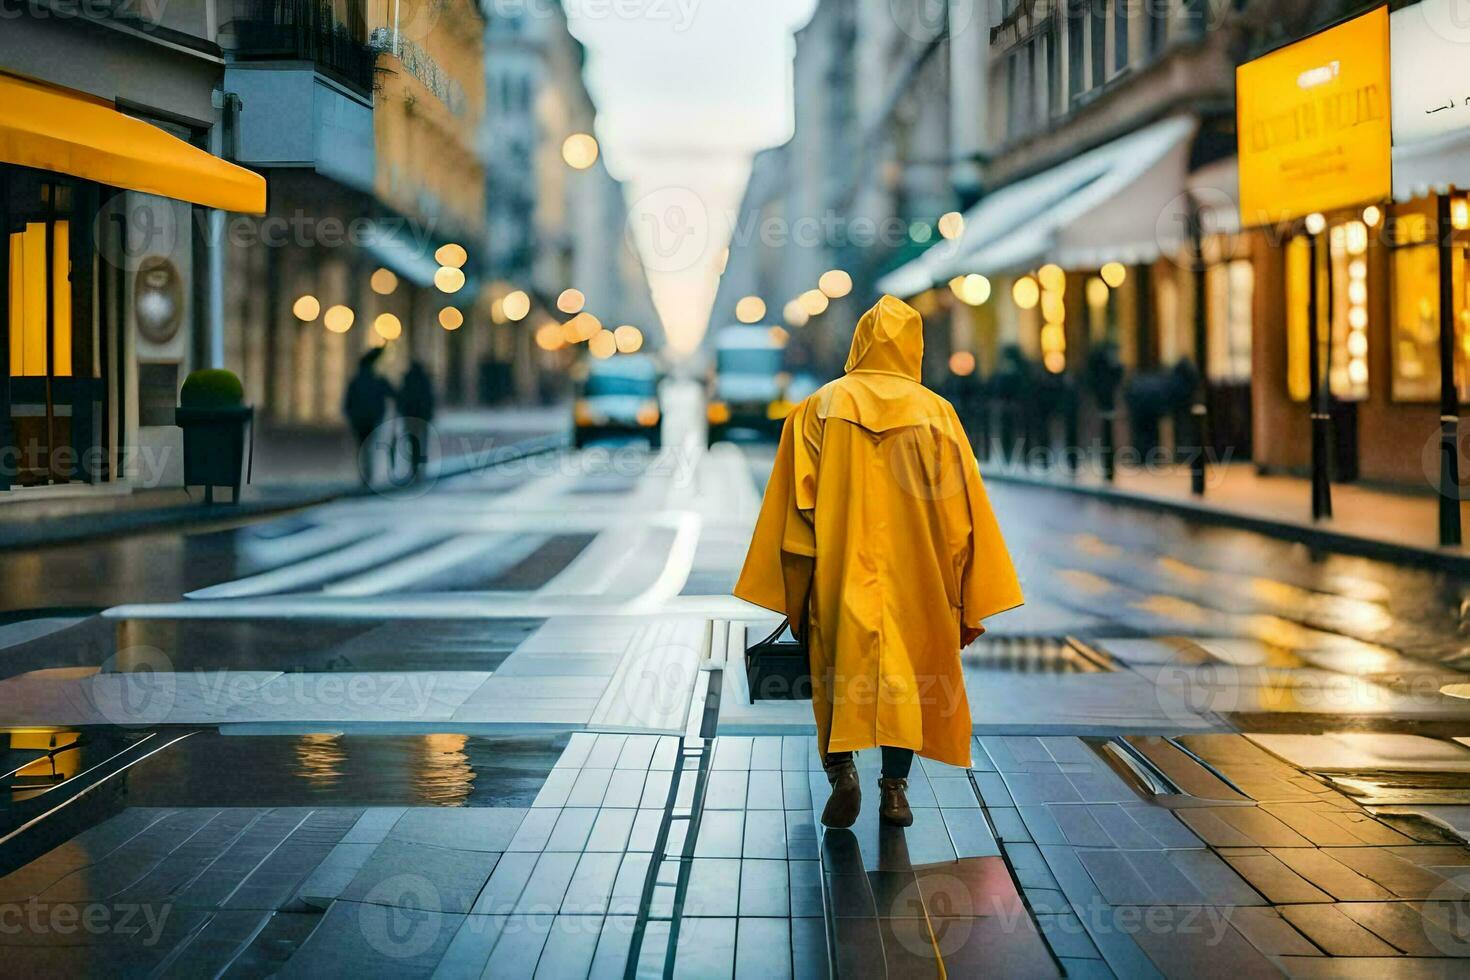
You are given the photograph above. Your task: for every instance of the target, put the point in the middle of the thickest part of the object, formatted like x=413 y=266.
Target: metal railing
x=308 y=30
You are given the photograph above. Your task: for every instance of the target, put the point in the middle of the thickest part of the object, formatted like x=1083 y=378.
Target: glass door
x=49 y=420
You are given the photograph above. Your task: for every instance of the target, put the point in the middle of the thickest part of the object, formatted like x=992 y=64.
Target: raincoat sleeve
x=988 y=583
x=778 y=567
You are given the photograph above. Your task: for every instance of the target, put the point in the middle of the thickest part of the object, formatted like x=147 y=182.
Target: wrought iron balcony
x=306 y=30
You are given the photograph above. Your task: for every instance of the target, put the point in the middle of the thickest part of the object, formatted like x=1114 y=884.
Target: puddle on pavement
x=53 y=790
x=1029 y=655
x=209 y=769
x=1382 y=788
x=267 y=644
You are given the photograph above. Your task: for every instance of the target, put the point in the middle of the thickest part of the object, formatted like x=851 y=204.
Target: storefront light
x=1055 y=362
x=579 y=150
x=920 y=232
x=1358 y=292
x=962 y=364
x=383 y=282
x=1357 y=344
x=1315 y=224
x=571 y=301
x=1053 y=309
x=1460 y=213
x=450 y=318
x=1358 y=371
x=1358 y=318
x=972 y=290
x=449 y=279
x=750 y=309
x=1114 y=274
x=452 y=255
x=794 y=315
x=629 y=339
x=1097 y=292
x=1052 y=278
x=386 y=326
x=306 y=308
x=1356 y=235
x=835 y=284
x=813 y=302
x=952 y=225
x=1026 y=293
x=602 y=345
x=549 y=336
x=516 y=305
x=339 y=319
x=1372 y=215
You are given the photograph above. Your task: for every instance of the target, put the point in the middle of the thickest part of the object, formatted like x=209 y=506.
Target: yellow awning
x=48 y=129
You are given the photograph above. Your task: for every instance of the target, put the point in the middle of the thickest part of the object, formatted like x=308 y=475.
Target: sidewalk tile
x=714 y=888
x=764 y=888
x=705 y=950
x=591 y=886
x=1334 y=932
x=547 y=886
x=765 y=834
x=571 y=947
x=419 y=876
x=503 y=890
x=762 y=949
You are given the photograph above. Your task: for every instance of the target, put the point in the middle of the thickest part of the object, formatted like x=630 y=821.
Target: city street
x=502 y=726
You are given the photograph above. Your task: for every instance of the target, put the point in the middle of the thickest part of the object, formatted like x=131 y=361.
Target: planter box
x=214 y=447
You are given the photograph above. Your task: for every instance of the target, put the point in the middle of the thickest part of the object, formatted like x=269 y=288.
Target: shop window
x=28 y=312
x=1347 y=351
x=1414 y=352
x=1298 y=278
x=1230 y=288
x=1346 y=312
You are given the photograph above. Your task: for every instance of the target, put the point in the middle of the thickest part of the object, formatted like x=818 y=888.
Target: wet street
x=500 y=725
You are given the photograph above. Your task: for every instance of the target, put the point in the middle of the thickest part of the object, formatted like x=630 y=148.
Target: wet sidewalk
x=1379 y=523
x=292 y=469
x=1204 y=855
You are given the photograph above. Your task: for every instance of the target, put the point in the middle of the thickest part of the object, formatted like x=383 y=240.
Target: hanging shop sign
x=1431 y=70
x=1313 y=123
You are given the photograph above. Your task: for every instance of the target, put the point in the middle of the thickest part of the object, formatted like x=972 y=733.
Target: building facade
x=111 y=131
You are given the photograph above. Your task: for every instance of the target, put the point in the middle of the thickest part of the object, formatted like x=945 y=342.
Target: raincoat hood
x=881 y=388
x=889 y=340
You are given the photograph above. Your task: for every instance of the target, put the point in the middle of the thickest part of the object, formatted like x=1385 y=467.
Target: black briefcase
x=778 y=667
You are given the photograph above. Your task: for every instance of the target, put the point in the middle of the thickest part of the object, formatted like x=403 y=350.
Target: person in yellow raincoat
x=877 y=541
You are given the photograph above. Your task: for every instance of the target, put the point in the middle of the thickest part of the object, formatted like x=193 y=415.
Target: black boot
x=847 y=795
x=893 y=806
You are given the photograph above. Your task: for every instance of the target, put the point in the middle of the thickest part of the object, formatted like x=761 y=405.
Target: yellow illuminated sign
x=1313 y=123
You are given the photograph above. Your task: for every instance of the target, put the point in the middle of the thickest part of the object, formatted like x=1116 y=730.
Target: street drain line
x=695 y=755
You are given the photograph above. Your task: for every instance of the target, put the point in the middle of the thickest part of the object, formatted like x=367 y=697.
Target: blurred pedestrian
x=366 y=405
x=877 y=541
x=416 y=405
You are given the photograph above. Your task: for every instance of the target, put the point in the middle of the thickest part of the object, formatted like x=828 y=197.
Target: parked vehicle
x=748 y=386
x=619 y=398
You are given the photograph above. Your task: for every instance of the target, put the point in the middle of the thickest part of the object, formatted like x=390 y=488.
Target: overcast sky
x=686 y=92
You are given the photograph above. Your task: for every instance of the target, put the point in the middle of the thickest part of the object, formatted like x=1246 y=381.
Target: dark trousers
x=896 y=762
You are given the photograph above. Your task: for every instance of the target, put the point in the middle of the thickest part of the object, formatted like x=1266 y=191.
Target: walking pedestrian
x=416 y=405
x=877 y=541
x=366 y=405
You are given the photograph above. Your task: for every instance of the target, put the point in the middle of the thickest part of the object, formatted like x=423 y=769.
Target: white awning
x=1432 y=166
x=1138 y=209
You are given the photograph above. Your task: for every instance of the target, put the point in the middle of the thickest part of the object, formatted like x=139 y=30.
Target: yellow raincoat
x=876 y=521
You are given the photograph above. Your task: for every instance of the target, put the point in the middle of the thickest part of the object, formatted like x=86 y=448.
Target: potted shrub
x=213 y=414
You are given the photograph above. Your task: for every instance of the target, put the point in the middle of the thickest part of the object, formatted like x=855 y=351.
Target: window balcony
x=318 y=31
